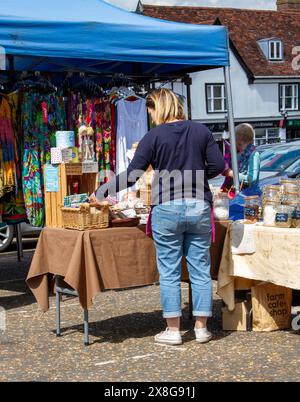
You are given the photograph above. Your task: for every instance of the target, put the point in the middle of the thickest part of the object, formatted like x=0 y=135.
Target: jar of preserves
x=252 y=208
x=283 y=217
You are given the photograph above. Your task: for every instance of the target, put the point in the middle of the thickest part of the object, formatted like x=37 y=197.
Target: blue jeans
x=183 y=228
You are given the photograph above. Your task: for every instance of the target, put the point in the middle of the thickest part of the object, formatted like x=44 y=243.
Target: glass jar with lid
x=221 y=206
x=296 y=217
x=290 y=197
x=292 y=200
x=252 y=208
x=269 y=212
x=289 y=185
x=284 y=215
x=272 y=193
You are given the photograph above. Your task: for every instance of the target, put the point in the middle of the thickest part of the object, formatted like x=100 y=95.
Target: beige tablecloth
x=275 y=259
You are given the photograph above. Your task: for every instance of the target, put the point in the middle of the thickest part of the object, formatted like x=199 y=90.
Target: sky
x=258 y=4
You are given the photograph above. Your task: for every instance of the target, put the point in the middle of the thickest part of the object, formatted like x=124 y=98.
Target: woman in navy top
x=184 y=156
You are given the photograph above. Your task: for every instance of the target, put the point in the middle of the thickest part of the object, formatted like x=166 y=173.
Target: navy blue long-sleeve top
x=182 y=146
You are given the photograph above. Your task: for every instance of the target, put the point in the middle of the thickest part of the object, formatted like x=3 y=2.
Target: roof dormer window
x=272 y=48
x=275 y=50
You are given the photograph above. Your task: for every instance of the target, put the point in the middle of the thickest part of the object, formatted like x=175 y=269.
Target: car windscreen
x=278 y=160
x=294 y=167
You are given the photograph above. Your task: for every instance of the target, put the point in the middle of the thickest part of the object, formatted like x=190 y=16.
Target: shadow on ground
x=139 y=325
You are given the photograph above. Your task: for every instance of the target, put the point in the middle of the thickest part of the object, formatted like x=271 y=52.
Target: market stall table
x=88 y=262
x=91 y=261
x=256 y=253
x=94 y=260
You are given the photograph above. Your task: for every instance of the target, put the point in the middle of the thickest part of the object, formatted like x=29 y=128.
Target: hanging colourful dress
x=42 y=116
x=13 y=206
x=8 y=150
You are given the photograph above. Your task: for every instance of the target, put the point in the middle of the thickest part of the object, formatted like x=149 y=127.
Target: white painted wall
x=250 y=101
x=129 y=5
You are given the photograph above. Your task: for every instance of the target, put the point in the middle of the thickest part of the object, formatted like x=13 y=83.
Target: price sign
x=90 y=167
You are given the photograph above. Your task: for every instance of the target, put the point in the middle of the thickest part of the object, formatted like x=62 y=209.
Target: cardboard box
x=239 y=319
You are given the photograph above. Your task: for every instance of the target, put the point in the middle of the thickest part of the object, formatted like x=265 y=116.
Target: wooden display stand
x=67 y=173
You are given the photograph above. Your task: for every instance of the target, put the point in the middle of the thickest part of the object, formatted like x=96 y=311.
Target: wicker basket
x=86 y=217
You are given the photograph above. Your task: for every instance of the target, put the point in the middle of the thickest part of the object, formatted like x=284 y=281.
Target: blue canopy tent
x=95 y=37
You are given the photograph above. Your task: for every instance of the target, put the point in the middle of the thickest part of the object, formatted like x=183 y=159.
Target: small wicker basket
x=87 y=216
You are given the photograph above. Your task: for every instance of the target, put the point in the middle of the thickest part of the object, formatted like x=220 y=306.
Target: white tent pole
x=231 y=127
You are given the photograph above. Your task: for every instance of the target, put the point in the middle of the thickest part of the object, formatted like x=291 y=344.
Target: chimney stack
x=288 y=5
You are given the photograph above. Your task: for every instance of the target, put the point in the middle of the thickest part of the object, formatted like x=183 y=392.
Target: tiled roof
x=246 y=27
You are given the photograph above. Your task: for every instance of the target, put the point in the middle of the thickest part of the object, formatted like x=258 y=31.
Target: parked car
x=281 y=160
x=275 y=161
x=7 y=234
x=291 y=171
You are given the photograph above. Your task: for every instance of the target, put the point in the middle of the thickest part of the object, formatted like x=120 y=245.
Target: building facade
x=265 y=68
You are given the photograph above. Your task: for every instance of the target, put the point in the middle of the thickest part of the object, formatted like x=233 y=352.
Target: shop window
x=266 y=136
x=288 y=97
x=272 y=135
x=216 y=98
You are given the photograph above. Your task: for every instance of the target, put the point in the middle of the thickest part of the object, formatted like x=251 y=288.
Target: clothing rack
x=149 y=80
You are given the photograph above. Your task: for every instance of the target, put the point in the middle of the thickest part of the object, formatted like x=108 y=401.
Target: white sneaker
x=169 y=337
x=202 y=335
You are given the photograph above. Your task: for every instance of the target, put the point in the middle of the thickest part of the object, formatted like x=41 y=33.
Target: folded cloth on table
x=242 y=240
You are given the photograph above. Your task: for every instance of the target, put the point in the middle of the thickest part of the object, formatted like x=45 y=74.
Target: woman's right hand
x=229 y=173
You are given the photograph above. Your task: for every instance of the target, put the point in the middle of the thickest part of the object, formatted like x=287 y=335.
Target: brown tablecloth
x=275 y=258
x=91 y=261
x=94 y=260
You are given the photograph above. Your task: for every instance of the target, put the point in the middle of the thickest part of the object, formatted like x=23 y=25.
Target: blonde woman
x=181 y=220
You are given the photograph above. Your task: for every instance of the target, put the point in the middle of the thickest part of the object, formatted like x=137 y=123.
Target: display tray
x=124 y=222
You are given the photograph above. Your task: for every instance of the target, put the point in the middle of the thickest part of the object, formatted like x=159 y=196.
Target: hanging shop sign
x=220 y=127
x=265 y=124
x=51 y=179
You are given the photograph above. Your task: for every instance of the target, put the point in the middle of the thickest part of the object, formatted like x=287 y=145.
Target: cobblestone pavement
x=122 y=327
